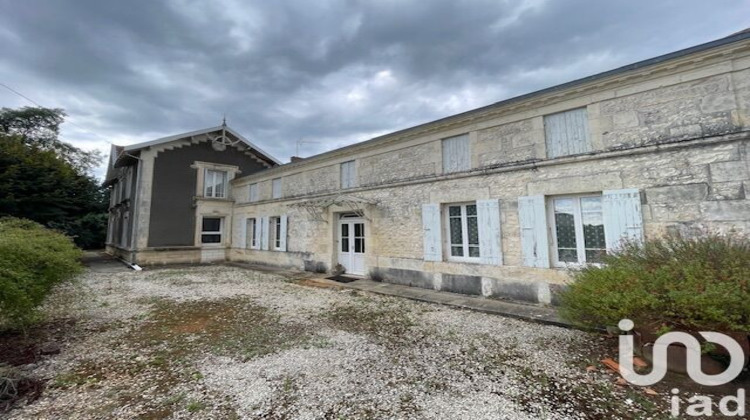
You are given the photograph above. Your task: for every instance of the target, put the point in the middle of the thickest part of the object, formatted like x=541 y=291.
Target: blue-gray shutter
x=488 y=218
x=456 y=154
x=623 y=218
x=431 y=226
x=534 y=241
x=567 y=133
x=282 y=238
x=264 y=238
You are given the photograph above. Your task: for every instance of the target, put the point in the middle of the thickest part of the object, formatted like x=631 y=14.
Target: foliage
x=33 y=259
x=45 y=180
x=40 y=128
x=691 y=284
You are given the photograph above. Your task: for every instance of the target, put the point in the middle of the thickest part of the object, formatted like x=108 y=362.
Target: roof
x=140 y=146
x=735 y=37
x=118 y=154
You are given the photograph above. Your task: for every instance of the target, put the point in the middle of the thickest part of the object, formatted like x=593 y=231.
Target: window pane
x=209 y=182
x=454 y=210
x=359 y=245
x=345 y=230
x=359 y=229
x=471 y=210
x=211 y=224
x=457 y=251
x=344 y=244
x=565 y=223
x=567 y=255
x=471 y=225
x=211 y=239
x=474 y=251
x=220 y=184
x=595 y=255
x=456 y=230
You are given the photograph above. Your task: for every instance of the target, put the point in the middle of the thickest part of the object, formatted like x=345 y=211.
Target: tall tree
x=40 y=127
x=47 y=180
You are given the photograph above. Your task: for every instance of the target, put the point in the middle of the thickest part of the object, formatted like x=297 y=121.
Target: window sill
x=463 y=260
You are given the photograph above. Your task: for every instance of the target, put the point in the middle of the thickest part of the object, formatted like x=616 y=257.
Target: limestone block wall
x=683 y=188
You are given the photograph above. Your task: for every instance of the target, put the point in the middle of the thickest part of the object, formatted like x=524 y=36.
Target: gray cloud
x=334 y=72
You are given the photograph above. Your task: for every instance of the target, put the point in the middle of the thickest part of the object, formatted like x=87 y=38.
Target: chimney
x=297 y=159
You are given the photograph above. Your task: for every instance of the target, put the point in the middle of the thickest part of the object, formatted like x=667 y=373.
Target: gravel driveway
x=224 y=342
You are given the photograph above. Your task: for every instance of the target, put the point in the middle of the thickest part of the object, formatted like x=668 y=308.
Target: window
x=251 y=238
x=275 y=227
x=276 y=188
x=567 y=133
x=463 y=232
x=215 y=184
x=348 y=174
x=253 y=192
x=578 y=230
x=456 y=154
x=211 y=230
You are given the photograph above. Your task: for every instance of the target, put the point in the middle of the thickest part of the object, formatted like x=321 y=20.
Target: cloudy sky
x=328 y=72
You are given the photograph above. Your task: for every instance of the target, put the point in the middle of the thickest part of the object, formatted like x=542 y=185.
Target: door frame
x=346 y=217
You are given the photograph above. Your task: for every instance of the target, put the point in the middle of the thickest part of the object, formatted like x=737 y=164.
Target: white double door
x=352 y=245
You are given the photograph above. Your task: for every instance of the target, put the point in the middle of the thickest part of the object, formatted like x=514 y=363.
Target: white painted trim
x=139 y=146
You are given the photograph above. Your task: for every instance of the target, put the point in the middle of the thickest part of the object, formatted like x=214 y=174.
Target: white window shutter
x=264 y=238
x=431 y=225
x=488 y=218
x=533 y=220
x=623 y=218
x=456 y=154
x=244 y=240
x=258 y=233
x=282 y=234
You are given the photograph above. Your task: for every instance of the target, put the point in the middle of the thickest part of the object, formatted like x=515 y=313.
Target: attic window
x=215 y=184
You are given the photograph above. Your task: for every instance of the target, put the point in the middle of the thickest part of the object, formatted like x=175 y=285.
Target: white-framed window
x=212 y=230
x=348 y=174
x=252 y=235
x=276 y=188
x=254 y=192
x=456 y=154
x=275 y=231
x=567 y=133
x=215 y=183
x=462 y=230
x=577 y=229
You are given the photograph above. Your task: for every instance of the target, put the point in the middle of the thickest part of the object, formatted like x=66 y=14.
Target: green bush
x=692 y=284
x=33 y=260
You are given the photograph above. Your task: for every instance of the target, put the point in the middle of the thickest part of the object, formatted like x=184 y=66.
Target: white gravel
x=449 y=363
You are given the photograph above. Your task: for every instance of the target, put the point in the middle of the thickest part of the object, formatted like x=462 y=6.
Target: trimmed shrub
x=33 y=260
x=673 y=283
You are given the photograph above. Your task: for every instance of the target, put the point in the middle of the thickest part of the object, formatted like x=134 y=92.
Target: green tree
x=47 y=180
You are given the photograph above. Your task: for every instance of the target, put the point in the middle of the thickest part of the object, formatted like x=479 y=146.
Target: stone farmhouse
x=499 y=201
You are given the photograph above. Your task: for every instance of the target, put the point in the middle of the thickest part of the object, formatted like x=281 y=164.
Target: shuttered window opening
x=471 y=232
x=252 y=235
x=277 y=233
x=577 y=230
x=582 y=228
x=276 y=188
x=348 y=174
x=463 y=232
x=253 y=194
x=567 y=133
x=456 y=154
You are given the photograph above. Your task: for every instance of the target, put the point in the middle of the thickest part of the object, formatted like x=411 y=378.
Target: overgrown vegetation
x=700 y=283
x=48 y=180
x=33 y=260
